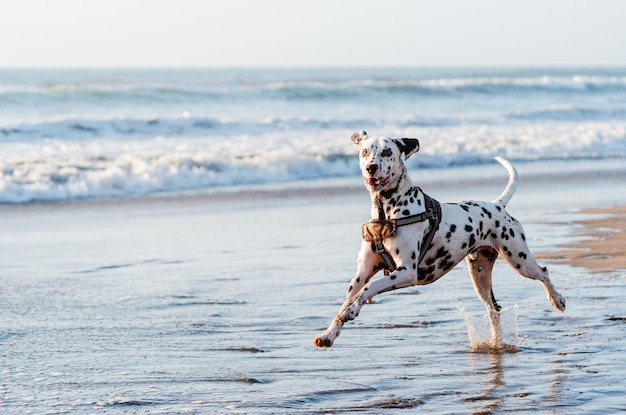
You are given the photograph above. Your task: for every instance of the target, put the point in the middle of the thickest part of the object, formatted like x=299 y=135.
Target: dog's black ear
x=408 y=146
x=358 y=137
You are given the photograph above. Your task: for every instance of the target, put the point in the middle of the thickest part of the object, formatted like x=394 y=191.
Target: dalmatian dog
x=475 y=231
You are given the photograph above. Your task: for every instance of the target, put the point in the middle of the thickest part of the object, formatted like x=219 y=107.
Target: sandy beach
x=209 y=304
x=603 y=244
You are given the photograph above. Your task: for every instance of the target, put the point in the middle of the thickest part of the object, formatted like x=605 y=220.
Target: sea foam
x=68 y=135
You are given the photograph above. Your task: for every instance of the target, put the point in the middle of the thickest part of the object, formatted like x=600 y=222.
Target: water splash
x=479 y=332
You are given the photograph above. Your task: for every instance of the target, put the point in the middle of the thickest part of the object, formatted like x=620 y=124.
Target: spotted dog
x=415 y=240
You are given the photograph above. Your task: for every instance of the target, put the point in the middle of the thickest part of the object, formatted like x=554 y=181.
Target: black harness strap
x=432 y=214
x=378 y=246
x=433 y=211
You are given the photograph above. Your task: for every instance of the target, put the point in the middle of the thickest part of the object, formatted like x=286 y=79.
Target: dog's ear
x=408 y=146
x=358 y=137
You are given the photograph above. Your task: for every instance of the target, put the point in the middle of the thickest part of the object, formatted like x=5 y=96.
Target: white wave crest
x=66 y=170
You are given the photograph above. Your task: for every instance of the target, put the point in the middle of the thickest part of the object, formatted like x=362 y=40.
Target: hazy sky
x=216 y=33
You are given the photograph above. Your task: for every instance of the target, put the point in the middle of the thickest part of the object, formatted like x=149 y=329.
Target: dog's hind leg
x=480 y=264
x=530 y=269
x=515 y=251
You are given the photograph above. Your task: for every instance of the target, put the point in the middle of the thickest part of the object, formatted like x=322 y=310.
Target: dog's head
x=380 y=159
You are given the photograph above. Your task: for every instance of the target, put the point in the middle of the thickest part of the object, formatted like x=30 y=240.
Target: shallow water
x=197 y=307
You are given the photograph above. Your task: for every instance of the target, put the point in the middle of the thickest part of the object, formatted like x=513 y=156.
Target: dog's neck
x=391 y=199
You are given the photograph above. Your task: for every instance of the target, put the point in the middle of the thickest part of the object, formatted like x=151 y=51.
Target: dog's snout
x=372 y=168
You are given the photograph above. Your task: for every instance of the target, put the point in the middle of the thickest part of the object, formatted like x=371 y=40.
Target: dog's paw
x=322 y=342
x=558 y=302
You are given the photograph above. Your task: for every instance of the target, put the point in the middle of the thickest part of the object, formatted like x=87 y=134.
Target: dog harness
x=377 y=230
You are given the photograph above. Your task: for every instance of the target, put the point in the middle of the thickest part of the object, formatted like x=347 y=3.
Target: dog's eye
x=386 y=152
x=365 y=152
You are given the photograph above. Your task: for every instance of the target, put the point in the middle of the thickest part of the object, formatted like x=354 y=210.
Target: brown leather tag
x=377 y=230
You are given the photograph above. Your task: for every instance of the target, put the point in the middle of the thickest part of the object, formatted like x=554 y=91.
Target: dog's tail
x=507 y=194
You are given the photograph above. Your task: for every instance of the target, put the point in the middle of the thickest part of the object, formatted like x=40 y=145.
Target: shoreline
x=601 y=244
x=449 y=184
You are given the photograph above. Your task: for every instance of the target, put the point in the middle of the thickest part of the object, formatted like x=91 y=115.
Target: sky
x=313 y=33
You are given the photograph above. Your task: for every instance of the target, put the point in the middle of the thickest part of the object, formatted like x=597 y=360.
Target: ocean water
x=207 y=302
x=89 y=134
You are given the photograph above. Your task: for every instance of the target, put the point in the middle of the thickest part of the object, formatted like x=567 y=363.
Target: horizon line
x=321 y=67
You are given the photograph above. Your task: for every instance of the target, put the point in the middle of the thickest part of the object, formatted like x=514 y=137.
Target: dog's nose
x=372 y=168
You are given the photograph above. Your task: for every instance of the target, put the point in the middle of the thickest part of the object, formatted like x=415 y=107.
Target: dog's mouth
x=375 y=182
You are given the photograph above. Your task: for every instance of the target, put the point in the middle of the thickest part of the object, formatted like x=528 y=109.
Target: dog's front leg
x=368 y=264
x=400 y=278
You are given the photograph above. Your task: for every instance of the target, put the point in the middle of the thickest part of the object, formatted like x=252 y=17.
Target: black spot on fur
x=425 y=272
x=468 y=228
x=441 y=252
x=488 y=254
x=447 y=266
x=465 y=208
x=452 y=228
x=495 y=303
x=406 y=212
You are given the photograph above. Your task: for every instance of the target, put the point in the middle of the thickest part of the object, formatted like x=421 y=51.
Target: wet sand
x=601 y=241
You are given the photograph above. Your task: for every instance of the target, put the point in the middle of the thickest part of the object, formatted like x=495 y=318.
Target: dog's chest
x=406 y=203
